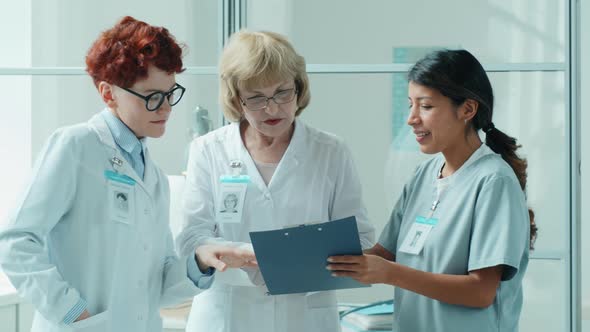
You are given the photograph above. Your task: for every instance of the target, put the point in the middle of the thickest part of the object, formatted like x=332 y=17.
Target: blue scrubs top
x=483 y=222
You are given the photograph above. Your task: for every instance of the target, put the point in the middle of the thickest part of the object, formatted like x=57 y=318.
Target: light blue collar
x=122 y=135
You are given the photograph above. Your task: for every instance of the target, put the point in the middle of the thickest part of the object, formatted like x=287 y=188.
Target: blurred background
x=536 y=52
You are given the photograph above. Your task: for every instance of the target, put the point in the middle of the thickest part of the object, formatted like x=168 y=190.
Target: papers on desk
x=371 y=318
x=293 y=260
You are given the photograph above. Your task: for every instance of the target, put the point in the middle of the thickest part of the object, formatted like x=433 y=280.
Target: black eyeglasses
x=261 y=102
x=153 y=101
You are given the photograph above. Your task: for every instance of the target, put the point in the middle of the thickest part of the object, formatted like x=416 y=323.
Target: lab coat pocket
x=322 y=312
x=95 y=323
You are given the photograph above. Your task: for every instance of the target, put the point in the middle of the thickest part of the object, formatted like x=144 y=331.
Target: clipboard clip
x=304 y=225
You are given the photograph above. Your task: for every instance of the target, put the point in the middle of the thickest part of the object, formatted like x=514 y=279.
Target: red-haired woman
x=86 y=261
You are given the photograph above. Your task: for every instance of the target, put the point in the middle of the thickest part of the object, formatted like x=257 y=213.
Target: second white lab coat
x=315 y=181
x=60 y=244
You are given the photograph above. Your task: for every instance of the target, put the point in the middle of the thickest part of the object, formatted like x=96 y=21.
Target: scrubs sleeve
x=390 y=233
x=500 y=229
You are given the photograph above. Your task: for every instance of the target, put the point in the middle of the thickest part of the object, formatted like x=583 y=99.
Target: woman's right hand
x=222 y=257
x=83 y=316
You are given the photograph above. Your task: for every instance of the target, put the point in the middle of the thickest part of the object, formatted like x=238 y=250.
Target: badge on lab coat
x=121 y=197
x=230 y=201
x=416 y=237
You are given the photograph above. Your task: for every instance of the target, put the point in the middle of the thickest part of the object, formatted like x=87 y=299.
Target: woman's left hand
x=367 y=269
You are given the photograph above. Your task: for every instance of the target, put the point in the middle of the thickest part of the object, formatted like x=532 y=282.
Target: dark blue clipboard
x=293 y=260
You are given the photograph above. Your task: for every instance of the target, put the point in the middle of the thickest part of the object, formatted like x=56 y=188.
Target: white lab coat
x=315 y=181
x=60 y=243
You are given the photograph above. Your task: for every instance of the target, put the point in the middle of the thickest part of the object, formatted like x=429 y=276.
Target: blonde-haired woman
x=296 y=174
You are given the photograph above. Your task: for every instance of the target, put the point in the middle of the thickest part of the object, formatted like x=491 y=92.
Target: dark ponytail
x=459 y=76
x=506 y=146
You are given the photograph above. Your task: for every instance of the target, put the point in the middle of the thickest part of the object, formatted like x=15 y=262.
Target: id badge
x=417 y=236
x=121 y=197
x=230 y=201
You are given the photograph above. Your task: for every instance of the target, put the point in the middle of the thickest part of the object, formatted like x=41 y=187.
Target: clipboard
x=293 y=260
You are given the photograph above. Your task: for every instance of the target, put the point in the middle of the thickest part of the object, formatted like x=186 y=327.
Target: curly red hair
x=122 y=54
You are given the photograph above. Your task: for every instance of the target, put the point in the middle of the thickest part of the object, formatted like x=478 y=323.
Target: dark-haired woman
x=85 y=263
x=457 y=243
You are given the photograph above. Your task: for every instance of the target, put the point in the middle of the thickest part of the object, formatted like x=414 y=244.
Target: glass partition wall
x=358 y=56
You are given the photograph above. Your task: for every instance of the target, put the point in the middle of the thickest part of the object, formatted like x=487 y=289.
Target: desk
x=175 y=319
x=15 y=314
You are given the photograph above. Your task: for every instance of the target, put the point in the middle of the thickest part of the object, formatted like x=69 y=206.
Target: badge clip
x=235 y=175
x=117 y=163
x=236 y=168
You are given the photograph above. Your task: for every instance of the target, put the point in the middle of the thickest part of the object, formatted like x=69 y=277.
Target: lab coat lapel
x=290 y=159
x=244 y=156
x=292 y=156
x=98 y=124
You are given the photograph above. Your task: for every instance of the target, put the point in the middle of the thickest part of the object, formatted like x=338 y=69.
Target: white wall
x=351 y=31
x=64 y=31
x=15 y=127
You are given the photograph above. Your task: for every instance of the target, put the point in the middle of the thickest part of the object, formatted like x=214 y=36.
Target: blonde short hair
x=257 y=59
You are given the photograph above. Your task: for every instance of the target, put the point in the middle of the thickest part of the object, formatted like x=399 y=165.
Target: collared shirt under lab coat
x=60 y=244
x=315 y=181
